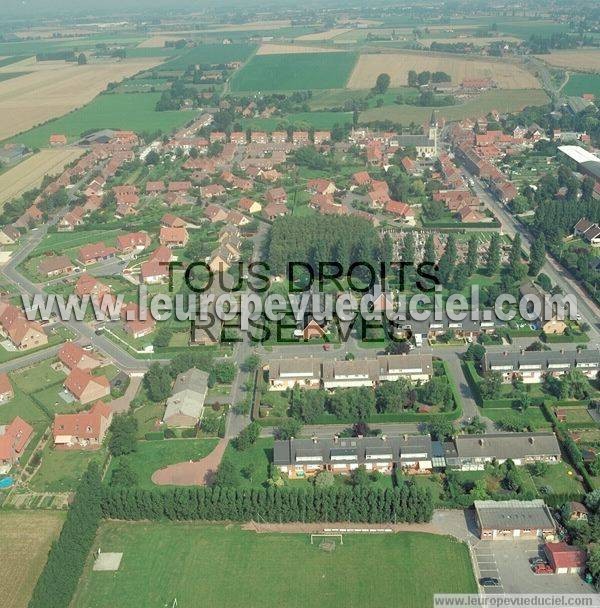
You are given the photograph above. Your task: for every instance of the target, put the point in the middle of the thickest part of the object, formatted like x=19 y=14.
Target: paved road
x=85 y=332
x=585 y=305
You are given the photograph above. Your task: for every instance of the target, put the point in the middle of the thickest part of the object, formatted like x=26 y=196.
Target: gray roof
x=304 y=367
x=514 y=515
x=189 y=392
x=352 y=450
x=544 y=360
x=507 y=445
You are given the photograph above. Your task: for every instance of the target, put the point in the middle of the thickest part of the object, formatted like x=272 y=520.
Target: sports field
x=580 y=84
x=294 y=71
x=53 y=88
x=196 y=564
x=30 y=173
x=397 y=65
x=25 y=538
x=135 y=111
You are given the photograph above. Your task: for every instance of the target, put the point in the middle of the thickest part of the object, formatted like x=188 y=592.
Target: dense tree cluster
x=317 y=239
x=405 y=503
x=58 y=581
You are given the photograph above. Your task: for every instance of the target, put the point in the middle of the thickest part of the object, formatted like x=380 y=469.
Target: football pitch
x=224 y=566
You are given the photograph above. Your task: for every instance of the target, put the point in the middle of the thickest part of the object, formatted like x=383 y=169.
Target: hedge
x=58 y=581
x=155 y=436
x=405 y=503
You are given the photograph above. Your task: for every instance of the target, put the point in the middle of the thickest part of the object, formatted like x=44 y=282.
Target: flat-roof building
x=509 y=519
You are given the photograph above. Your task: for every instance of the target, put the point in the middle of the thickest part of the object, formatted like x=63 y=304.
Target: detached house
x=186 y=403
x=134 y=241
x=94 y=253
x=14 y=325
x=173 y=237
x=321 y=186
x=84 y=429
x=14 y=438
x=73 y=356
x=276 y=196
x=249 y=206
x=54 y=265
x=589 y=231
x=86 y=388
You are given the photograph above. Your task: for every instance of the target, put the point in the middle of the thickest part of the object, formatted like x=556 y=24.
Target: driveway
x=122 y=403
x=508 y=561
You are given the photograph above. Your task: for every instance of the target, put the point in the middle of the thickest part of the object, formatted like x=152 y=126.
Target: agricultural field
x=299 y=71
x=25 y=539
x=278 y=49
x=210 y=54
x=135 y=111
x=324 y=35
x=161 y=561
x=579 y=84
x=30 y=173
x=581 y=59
x=54 y=88
x=317 y=120
x=503 y=101
x=369 y=66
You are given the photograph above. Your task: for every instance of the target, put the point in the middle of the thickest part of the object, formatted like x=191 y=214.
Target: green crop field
x=287 y=72
x=196 y=562
x=501 y=100
x=133 y=111
x=579 y=84
x=300 y=120
x=209 y=54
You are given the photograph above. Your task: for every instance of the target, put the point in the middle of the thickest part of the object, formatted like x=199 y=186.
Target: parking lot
x=508 y=561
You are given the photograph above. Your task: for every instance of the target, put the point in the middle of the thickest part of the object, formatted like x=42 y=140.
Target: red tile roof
x=84 y=425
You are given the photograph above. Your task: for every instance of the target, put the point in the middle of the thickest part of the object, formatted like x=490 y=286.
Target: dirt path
x=198 y=473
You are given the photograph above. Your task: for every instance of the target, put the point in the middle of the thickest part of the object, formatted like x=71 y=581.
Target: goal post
x=326 y=535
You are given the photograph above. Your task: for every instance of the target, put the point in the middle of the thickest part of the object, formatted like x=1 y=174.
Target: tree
x=123 y=434
x=392 y=396
x=227 y=475
x=472 y=255
x=81 y=59
x=395 y=347
x=413 y=80
x=359 y=477
x=489 y=387
x=162 y=337
x=123 y=474
x=594 y=466
x=157 y=382
x=493 y=255
x=539 y=469
x=476 y=426
x=537 y=255
x=475 y=352
x=248 y=436
x=436 y=391
x=440 y=428
x=249 y=470
x=289 y=428
x=324 y=479
x=448 y=260
x=382 y=83
x=251 y=363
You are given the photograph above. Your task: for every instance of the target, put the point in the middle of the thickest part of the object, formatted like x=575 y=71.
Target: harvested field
x=326 y=35
x=158 y=41
x=477 y=41
x=31 y=171
x=584 y=60
x=24 y=542
x=53 y=90
x=397 y=65
x=278 y=49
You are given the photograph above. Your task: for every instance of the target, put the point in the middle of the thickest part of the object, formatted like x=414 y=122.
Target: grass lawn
x=135 y=111
x=58 y=242
x=317 y=120
x=561 y=478
x=288 y=72
x=25 y=538
x=146 y=415
x=37 y=377
x=154 y=455
x=532 y=415
x=62 y=469
x=258 y=457
x=162 y=561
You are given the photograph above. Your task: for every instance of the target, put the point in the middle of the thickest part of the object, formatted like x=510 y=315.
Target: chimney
x=314 y=439
x=522 y=351
x=481 y=441
x=532 y=440
x=384 y=438
x=562 y=351
x=335 y=439
x=405 y=437
x=505 y=353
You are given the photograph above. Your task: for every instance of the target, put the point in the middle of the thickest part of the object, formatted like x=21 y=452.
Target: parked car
x=489 y=581
x=537 y=560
